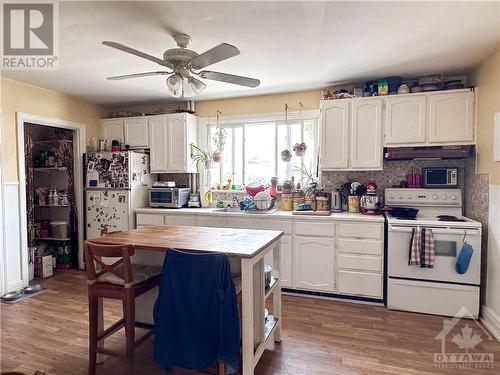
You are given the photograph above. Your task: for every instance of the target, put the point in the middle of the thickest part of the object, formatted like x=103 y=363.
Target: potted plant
x=300 y=149
x=201 y=157
x=286 y=155
x=287 y=187
x=219 y=139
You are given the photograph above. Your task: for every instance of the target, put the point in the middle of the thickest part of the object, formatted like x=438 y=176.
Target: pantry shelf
x=52 y=205
x=51 y=239
x=48 y=169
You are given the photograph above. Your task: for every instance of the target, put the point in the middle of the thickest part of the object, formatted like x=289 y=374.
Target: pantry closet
x=50 y=199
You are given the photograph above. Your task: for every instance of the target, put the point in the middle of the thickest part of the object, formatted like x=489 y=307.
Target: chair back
x=122 y=268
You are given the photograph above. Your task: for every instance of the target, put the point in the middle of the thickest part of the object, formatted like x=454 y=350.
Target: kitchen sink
x=227 y=209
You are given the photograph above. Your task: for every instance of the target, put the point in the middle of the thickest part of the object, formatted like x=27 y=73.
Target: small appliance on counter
x=370 y=202
x=169 y=197
x=194 y=200
x=339 y=201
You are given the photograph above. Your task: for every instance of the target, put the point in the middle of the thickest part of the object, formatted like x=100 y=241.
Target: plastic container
x=59 y=229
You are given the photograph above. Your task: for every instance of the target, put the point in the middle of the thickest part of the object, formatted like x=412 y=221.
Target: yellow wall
x=487 y=79
x=259 y=104
x=21 y=97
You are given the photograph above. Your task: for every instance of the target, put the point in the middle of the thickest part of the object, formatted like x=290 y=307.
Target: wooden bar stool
x=120 y=280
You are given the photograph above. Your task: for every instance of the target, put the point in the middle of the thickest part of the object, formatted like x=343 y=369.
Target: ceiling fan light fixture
x=174 y=84
x=196 y=85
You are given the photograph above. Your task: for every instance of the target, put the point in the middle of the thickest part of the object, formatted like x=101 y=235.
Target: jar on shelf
x=286 y=202
x=311 y=200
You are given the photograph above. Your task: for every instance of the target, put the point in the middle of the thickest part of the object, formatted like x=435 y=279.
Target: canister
x=286 y=202
x=353 y=202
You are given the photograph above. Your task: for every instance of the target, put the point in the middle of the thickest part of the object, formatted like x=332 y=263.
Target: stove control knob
x=453 y=197
x=408 y=196
x=400 y=196
x=434 y=197
x=443 y=197
x=391 y=196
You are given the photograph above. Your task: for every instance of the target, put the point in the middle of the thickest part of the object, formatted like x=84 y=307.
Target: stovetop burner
x=450 y=218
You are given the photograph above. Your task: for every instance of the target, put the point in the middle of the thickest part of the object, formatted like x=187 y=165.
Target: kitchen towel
x=422 y=248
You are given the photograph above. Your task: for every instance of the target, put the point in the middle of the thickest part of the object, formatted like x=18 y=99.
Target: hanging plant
x=201 y=157
x=219 y=139
x=300 y=149
x=286 y=155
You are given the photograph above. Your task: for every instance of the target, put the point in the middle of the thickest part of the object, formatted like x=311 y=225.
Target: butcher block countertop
x=274 y=215
x=244 y=243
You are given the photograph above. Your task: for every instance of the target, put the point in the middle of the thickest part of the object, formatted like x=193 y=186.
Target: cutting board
x=311 y=213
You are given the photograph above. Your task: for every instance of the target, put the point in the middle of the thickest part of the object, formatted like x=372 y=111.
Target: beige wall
x=259 y=104
x=487 y=79
x=21 y=97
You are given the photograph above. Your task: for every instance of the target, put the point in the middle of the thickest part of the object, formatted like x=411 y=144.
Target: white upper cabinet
x=434 y=118
x=112 y=129
x=335 y=119
x=366 y=134
x=136 y=132
x=170 y=138
x=451 y=117
x=405 y=119
x=351 y=134
x=158 y=141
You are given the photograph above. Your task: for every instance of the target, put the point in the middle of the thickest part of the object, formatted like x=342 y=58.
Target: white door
x=334 y=134
x=313 y=260
x=451 y=117
x=176 y=143
x=112 y=129
x=366 y=134
x=286 y=257
x=136 y=131
x=405 y=120
x=158 y=143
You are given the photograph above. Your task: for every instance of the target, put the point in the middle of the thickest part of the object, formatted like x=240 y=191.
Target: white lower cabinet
x=314 y=260
x=342 y=257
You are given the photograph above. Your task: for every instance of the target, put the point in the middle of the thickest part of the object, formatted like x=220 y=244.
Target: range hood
x=428 y=153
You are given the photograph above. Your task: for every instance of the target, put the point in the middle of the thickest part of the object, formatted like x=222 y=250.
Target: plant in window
x=299 y=149
x=308 y=180
x=286 y=155
x=201 y=157
x=219 y=139
x=287 y=186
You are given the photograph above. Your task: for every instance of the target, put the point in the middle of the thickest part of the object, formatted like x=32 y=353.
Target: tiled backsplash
x=393 y=173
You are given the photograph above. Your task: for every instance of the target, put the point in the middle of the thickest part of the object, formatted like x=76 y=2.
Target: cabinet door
x=149 y=219
x=176 y=143
x=451 y=117
x=158 y=143
x=313 y=260
x=184 y=220
x=136 y=132
x=334 y=134
x=405 y=120
x=112 y=129
x=366 y=134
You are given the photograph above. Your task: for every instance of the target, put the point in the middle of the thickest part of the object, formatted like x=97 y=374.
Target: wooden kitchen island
x=246 y=249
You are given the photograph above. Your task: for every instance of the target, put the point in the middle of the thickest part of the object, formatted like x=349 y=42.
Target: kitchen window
x=252 y=151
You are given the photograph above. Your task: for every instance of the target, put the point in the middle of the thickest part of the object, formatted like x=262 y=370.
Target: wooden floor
x=49 y=332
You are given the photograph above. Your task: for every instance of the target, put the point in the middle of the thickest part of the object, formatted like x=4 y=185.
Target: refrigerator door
x=107 y=170
x=107 y=211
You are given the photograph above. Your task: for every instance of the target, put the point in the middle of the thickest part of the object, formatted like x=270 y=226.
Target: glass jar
x=286 y=202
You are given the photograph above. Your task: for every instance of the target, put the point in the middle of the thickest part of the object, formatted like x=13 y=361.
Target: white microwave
x=169 y=197
x=440 y=177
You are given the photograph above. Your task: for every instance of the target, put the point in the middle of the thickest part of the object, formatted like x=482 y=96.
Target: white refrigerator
x=116 y=183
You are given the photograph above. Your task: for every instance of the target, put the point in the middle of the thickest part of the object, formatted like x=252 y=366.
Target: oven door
x=448 y=243
x=161 y=197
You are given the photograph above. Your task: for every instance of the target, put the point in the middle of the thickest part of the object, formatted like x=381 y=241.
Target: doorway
x=51 y=204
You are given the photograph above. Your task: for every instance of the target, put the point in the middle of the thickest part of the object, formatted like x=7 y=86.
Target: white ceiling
x=289 y=46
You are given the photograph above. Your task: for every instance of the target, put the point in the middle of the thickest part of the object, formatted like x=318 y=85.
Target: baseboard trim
x=491 y=321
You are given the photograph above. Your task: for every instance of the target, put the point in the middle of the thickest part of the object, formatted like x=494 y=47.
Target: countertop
x=275 y=215
x=244 y=243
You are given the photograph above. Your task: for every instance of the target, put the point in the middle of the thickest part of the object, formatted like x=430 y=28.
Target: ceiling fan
x=185 y=64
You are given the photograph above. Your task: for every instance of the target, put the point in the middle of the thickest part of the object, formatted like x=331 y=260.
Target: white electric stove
x=439 y=290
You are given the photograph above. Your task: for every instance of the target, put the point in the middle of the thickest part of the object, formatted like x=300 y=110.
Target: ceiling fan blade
x=135 y=52
x=138 y=75
x=221 y=52
x=229 y=78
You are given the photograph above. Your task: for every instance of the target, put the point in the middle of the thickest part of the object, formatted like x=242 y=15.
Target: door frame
x=79 y=146
x=3 y=269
